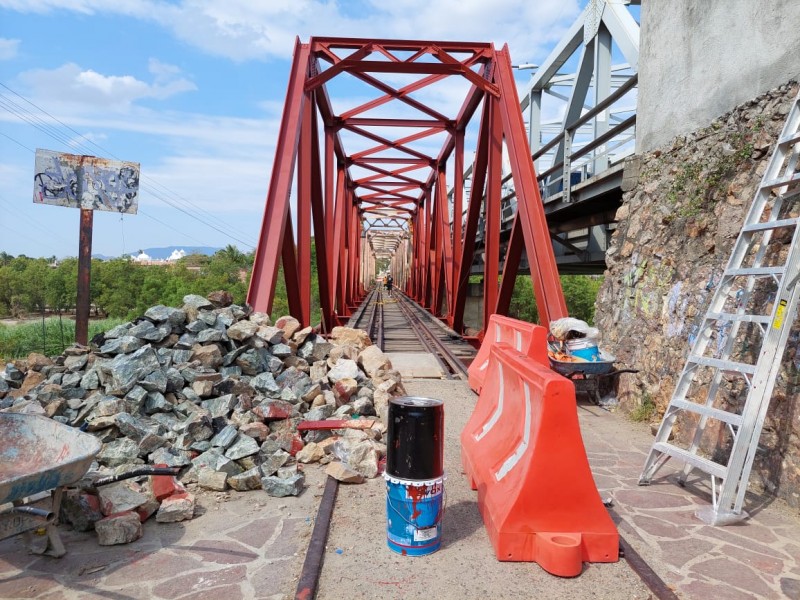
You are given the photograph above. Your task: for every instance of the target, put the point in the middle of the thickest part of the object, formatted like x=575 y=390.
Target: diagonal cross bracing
x=375 y=176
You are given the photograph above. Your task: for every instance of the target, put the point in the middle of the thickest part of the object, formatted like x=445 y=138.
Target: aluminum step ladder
x=740 y=342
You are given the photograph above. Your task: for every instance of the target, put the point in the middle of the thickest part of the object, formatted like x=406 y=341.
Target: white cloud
x=244 y=30
x=8 y=48
x=90 y=88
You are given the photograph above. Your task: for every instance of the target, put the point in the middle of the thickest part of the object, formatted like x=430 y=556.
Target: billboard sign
x=85 y=182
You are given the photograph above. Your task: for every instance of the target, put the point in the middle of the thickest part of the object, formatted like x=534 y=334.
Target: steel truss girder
x=399 y=208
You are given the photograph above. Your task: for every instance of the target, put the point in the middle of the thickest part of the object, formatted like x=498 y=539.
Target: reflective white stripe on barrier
x=497 y=411
x=523 y=446
x=519 y=340
x=484 y=365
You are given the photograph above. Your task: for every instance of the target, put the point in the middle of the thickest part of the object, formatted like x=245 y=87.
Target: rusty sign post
x=84 y=277
x=88 y=183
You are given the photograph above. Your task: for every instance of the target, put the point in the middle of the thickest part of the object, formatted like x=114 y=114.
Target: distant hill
x=165 y=252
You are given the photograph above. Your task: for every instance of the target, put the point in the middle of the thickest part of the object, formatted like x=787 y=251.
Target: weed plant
x=49 y=336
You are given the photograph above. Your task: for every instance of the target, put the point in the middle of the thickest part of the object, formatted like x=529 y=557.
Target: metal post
x=84 y=277
x=602 y=89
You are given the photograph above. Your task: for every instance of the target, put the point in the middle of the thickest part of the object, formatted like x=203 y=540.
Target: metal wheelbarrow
x=592 y=377
x=38 y=454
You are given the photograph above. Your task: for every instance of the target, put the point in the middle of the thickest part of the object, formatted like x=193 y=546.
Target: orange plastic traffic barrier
x=535 y=489
x=528 y=338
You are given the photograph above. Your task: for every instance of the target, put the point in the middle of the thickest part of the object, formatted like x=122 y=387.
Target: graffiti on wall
x=85 y=182
x=646 y=287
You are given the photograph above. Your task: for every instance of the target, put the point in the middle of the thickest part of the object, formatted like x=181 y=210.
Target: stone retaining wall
x=680 y=216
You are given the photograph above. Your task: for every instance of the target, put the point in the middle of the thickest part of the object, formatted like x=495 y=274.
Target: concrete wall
x=700 y=58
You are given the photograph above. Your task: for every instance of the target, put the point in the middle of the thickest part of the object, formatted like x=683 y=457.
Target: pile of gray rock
x=221 y=392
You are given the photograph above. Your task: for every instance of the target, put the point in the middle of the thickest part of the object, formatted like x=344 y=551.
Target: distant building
x=145 y=259
x=142 y=258
x=176 y=255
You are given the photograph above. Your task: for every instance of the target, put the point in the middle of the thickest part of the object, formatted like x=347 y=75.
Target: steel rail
x=455 y=362
x=441 y=352
x=645 y=572
x=419 y=330
x=356 y=317
x=379 y=340
x=312 y=566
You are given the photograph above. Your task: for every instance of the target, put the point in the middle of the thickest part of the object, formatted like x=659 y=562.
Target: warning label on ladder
x=779 y=313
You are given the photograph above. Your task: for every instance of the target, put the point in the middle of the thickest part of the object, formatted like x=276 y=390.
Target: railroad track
x=398 y=324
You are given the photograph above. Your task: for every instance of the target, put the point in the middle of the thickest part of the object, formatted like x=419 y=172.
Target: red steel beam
x=304 y=200
x=265 y=265
x=544 y=271
x=318 y=208
x=458 y=203
x=492 y=212
x=473 y=215
x=441 y=251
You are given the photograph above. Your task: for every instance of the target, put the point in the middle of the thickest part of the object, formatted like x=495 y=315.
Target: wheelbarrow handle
x=617 y=372
x=136 y=473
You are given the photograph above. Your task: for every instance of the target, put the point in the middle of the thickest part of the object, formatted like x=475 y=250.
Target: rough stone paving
x=216 y=391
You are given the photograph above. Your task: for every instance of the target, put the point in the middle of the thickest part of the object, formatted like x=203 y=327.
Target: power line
x=18 y=143
x=46 y=128
x=13 y=107
x=141 y=212
x=167 y=225
x=33 y=223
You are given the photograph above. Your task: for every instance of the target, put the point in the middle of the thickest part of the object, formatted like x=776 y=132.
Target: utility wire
x=26 y=115
x=140 y=211
x=168 y=226
x=18 y=143
x=33 y=223
x=11 y=106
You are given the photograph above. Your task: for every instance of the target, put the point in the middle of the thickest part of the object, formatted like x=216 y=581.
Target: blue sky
x=193 y=90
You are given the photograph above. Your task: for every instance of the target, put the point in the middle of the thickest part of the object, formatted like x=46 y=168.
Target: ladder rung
x=722 y=316
x=725 y=365
x=705 y=465
x=767 y=225
x=781 y=181
x=757 y=271
x=790 y=138
x=708 y=411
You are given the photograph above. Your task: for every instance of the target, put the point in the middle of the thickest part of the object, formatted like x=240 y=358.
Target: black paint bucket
x=415 y=439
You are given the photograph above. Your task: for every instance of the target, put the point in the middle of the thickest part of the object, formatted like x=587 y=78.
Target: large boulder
x=372 y=359
x=347 y=335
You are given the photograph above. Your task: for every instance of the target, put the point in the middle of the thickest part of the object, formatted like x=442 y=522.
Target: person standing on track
x=389 y=282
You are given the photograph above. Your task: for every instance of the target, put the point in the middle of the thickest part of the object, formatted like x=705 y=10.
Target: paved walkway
x=252 y=546
x=759 y=558
x=242 y=545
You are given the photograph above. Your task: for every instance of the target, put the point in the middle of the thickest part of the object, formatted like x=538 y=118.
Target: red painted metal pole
x=270 y=242
x=321 y=237
x=338 y=253
x=290 y=272
x=426 y=255
x=84 y=277
x=446 y=241
x=473 y=215
x=436 y=253
x=544 y=271
x=516 y=244
x=492 y=213
x=458 y=203
x=304 y=186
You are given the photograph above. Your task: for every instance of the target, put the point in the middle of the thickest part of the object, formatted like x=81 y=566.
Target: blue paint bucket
x=585 y=348
x=414 y=515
